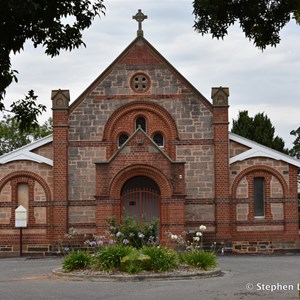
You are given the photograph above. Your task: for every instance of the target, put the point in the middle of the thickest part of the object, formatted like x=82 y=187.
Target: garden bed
x=130 y=251
x=182 y=272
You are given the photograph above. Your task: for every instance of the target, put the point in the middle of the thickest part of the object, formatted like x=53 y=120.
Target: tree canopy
x=11 y=137
x=295 y=151
x=259 y=129
x=55 y=25
x=260 y=20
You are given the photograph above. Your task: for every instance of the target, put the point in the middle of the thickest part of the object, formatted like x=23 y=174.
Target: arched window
x=122 y=139
x=158 y=139
x=259 y=197
x=141 y=123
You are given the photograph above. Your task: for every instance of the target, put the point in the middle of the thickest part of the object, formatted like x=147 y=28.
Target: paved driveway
x=246 y=277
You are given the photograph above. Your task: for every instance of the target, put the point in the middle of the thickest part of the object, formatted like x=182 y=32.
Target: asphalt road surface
x=245 y=277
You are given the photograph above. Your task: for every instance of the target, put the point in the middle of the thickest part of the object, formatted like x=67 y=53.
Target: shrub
x=135 y=262
x=199 y=258
x=76 y=260
x=109 y=258
x=162 y=259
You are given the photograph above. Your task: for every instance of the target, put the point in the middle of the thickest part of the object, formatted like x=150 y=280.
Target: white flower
x=118 y=234
x=174 y=237
x=196 y=238
x=202 y=228
x=125 y=242
x=198 y=233
x=140 y=235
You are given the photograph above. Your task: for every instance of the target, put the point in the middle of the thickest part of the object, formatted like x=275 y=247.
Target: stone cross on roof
x=140 y=17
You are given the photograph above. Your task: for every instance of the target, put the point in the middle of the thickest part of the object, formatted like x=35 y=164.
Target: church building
x=144 y=142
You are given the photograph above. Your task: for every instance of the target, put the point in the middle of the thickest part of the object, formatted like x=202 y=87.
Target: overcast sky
x=258 y=81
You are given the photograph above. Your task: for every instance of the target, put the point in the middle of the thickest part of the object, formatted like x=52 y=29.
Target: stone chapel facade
x=142 y=141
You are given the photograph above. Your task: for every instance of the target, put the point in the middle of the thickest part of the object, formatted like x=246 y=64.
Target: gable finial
x=140 y=17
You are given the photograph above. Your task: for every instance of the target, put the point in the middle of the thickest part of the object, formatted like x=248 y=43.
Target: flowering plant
x=131 y=232
x=196 y=241
x=71 y=241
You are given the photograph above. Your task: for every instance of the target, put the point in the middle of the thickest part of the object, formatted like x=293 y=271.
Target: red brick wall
x=141 y=160
x=39 y=179
x=280 y=223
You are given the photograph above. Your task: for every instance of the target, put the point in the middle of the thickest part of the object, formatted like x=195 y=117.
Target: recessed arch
x=140 y=199
x=258 y=170
x=140 y=106
x=140 y=170
x=142 y=182
x=27 y=174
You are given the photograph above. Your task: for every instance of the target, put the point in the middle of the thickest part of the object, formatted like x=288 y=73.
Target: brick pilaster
x=291 y=207
x=60 y=106
x=221 y=162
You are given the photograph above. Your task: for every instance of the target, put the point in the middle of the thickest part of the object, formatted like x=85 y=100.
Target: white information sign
x=21 y=216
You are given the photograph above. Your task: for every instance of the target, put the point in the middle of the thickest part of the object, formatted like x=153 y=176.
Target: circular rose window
x=140 y=82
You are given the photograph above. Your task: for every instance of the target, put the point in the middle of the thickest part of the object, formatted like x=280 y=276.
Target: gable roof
x=25 y=152
x=258 y=150
x=138 y=39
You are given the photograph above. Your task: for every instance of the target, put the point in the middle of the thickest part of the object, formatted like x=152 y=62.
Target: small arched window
x=122 y=139
x=158 y=139
x=259 y=197
x=141 y=123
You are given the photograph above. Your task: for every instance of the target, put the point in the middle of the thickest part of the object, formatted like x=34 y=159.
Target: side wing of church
x=142 y=141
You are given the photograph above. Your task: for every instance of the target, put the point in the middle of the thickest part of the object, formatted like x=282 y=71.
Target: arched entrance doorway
x=141 y=199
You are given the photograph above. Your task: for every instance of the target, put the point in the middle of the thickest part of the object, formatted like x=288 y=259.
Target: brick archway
x=157 y=119
x=140 y=170
x=140 y=106
x=140 y=199
x=30 y=178
x=27 y=174
x=257 y=170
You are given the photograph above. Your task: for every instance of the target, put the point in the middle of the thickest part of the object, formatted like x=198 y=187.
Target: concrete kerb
x=82 y=276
